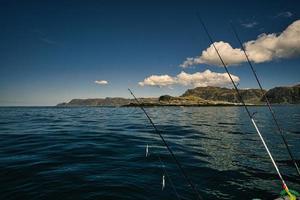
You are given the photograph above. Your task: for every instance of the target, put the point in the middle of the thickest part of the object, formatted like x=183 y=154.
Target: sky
x=54 y=51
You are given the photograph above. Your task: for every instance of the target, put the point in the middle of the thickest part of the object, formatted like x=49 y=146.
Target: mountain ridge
x=202 y=96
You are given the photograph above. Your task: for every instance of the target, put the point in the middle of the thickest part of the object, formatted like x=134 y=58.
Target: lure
x=163 y=182
x=147 y=150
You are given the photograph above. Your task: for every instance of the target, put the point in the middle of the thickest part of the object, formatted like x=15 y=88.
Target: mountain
x=284 y=95
x=161 y=101
x=201 y=96
x=96 y=102
x=225 y=94
x=115 y=101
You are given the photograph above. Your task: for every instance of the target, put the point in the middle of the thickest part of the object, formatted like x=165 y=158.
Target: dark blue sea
x=99 y=153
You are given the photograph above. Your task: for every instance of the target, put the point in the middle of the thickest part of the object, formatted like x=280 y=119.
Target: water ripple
x=99 y=153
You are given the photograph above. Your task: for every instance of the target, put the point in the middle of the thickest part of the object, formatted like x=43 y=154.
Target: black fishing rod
x=169 y=149
x=285 y=187
x=267 y=100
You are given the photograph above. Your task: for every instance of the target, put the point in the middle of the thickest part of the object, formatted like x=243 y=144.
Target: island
x=202 y=96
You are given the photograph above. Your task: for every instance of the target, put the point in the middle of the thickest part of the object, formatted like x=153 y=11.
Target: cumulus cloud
x=265 y=48
x=272 y=46
x=209 y=56
x=158 y=80
x=198 y=79
x=206 y=78
x=101 y=82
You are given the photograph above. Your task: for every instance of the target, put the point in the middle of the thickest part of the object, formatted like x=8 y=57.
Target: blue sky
x=53 y=51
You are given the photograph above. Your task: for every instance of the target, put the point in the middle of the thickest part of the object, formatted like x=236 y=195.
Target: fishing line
x=267 y=100
x=169 y=149
x=285 y=187
x=165 y=172
x=168 y=177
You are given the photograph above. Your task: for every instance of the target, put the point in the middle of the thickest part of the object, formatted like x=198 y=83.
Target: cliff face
x=225 y=94
x=290 y=95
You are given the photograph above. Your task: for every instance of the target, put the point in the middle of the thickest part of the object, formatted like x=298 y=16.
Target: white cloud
x=101 y=82
x=249 y=25
x=198 y=79
x=272 y=46
x=265 y=48
x=206 y=78
x=209 y=56
x=158 y=80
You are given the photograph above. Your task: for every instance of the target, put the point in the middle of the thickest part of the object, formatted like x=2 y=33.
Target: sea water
x=99 y=153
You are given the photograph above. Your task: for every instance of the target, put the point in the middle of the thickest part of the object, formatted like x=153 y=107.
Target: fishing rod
x=197 y=194
x=284 y=185
x=267 y=101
